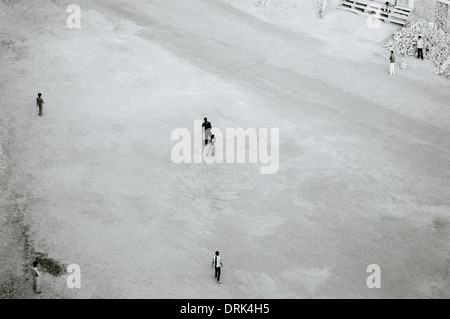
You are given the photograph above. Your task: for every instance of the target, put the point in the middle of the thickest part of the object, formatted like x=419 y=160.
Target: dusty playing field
x=364 y=157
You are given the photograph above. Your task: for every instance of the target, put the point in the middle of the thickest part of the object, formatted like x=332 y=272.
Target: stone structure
x=442 y=14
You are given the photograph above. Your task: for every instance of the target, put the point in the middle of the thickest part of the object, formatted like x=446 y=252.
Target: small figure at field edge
x=36 y=278
x=39 y=103
x=206 y=126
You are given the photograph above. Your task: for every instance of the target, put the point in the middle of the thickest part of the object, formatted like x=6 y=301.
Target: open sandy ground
x=364 y=157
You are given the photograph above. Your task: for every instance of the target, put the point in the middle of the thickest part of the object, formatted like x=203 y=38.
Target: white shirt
x=217 y=261
x=420 y=44
x=35 y=272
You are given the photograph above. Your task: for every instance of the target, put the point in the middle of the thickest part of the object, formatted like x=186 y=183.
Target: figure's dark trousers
x=218 y=273
x=420 y=54
x=40 y=110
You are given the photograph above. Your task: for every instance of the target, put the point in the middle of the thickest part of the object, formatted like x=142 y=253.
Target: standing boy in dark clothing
x=39 y=103
x=420 y=48
x=207 y=129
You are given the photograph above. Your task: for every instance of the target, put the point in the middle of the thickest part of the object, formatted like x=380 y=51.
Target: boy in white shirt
x=217 y=264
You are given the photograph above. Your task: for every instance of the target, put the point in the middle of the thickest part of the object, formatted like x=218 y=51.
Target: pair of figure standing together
x=419 y=55
x=209 y=137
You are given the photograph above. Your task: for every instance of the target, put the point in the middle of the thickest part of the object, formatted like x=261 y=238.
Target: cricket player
x=36 y=278
x=39 y=103
x=217 y=264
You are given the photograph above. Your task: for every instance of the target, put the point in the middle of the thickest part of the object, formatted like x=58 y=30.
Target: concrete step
x=398 y=15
